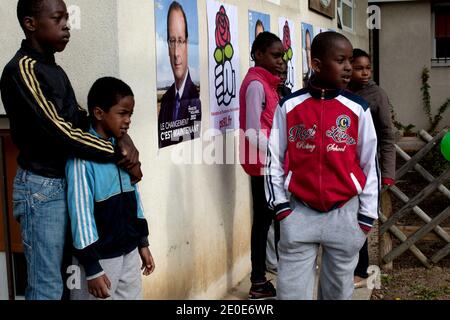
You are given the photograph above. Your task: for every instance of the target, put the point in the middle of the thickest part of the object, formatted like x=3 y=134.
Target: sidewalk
x=240 y=292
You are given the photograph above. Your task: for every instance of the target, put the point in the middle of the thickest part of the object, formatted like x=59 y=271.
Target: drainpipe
x=376 y=55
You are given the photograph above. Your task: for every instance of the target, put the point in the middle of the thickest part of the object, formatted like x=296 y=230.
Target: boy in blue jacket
x=108 y=226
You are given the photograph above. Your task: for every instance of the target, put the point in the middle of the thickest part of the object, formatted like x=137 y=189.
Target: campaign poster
x=257 y=23
x=287 y=36
x=319 y=30
x=307 y=37
x=177 y=71
x=224 y=66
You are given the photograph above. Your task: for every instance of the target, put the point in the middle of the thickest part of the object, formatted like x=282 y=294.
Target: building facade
x=414 y=35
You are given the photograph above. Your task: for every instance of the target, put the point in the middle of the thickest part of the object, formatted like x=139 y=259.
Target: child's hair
x=106 y=92
x=263 y=41
x=28 y=8
x=360 y=53
x=323 y=42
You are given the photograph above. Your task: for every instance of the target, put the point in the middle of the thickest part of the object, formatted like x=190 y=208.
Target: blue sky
x=306 y=26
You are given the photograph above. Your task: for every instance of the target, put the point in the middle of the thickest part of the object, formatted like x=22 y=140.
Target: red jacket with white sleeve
x=331 y=143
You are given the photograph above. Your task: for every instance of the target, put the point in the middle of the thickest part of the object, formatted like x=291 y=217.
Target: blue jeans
x=40 y=206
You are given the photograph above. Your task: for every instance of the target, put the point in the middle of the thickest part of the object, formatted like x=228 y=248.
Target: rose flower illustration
x=225 y=75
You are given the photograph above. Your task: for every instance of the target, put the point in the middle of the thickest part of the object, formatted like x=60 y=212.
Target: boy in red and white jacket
x=330 y=194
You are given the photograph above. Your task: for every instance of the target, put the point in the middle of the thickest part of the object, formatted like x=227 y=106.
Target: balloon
x=445 y=146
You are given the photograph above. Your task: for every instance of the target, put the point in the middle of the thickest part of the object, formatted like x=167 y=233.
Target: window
x=441 y=52
x=345 y=14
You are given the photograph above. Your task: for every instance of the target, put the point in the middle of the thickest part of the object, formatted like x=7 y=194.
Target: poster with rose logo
x=287 y=36
x=224 y=66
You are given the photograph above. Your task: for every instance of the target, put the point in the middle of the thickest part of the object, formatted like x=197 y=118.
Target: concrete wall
x=359 y=36
x=440 y=91
x=405 y=49
x=199 y=214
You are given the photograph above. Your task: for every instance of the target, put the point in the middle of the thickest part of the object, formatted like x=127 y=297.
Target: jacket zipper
x=322 y=100
x=120 y=179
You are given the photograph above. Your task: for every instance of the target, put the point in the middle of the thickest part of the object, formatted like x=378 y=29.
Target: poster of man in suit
x=257 y=23
x=178 y=79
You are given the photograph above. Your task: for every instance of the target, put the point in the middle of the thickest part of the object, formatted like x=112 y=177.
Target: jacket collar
x=355 y=87
x=93 y=132
x=33 y=53
x=271 y=79
x=319 y=93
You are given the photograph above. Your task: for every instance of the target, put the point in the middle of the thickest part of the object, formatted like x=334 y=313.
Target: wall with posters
x=197 y=199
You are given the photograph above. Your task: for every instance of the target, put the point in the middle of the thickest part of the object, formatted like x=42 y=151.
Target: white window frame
x=434 y=59
x=351 y=4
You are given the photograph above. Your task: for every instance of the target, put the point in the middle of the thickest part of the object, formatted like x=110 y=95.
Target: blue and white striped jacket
x=106 y=213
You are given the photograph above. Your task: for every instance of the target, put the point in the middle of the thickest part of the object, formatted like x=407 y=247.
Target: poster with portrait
x=224 y=66
x=307 y=37
x=287 y=36
x=177 y=71
x=319 y=30
x=257 y=23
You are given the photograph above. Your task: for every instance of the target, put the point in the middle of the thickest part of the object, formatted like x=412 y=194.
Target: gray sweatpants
x=271 y=254
x=301 y=233
x=124 y=274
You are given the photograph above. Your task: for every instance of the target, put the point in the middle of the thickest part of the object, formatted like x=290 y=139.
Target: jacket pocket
x=356 y=183
x=287 y=181
x=45 y=193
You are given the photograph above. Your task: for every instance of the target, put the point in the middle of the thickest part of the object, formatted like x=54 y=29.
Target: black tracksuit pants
x=262 y=219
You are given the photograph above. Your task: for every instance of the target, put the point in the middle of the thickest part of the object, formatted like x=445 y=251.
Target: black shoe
x=262 y=291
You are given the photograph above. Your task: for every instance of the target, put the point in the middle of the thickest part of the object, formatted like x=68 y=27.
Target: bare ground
x=409 y=279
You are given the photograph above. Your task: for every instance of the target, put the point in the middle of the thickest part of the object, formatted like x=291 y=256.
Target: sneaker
x=360 y=282
x=262 y=291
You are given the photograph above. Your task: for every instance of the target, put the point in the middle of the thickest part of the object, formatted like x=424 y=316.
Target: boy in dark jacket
x=363 y=85
x=47 y=126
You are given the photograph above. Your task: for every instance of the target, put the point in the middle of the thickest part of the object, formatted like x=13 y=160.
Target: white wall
x=199 y=215
x=10 y=34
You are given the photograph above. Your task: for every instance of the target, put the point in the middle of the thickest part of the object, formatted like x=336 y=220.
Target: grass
x=386 y=280
x=422 y=292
